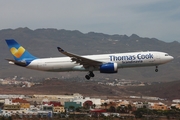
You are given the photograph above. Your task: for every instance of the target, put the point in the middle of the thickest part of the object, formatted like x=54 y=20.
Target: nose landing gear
x=156 y=70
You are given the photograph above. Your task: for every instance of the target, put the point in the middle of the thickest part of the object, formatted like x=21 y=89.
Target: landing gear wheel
x=156 y=70
x=91 y=74
x=87 y=77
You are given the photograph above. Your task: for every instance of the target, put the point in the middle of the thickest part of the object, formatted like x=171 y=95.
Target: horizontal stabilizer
x=19 y=63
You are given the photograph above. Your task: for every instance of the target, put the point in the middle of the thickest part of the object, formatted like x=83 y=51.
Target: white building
x=176 y=100
x=138 y=104
x=95 y=101
x=12 y=96
x=8 y=102
x=74 y=96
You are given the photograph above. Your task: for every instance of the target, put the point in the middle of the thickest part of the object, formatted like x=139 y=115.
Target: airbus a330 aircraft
x=105 y=63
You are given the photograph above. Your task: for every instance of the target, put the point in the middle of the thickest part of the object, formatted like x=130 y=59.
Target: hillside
x=43 y=43
x=168 y=90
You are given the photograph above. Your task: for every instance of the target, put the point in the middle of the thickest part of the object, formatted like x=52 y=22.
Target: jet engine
x=109 y=68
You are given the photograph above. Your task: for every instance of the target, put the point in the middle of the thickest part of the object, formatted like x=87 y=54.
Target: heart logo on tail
x=17 y=52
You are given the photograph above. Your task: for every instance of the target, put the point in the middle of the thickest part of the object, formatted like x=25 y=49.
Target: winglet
x=60 y=49
x=65 y=52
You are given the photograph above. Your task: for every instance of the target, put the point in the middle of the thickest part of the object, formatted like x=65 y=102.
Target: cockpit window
x=166 y=55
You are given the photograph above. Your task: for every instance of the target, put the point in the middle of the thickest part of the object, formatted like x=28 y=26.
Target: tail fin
x=18 y=52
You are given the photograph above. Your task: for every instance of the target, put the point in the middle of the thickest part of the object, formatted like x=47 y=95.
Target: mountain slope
x=43 y=43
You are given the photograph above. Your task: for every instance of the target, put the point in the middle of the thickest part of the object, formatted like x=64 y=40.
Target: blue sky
x=147 y=18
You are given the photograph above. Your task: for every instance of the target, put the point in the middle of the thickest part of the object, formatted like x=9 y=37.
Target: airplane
x=105 y=63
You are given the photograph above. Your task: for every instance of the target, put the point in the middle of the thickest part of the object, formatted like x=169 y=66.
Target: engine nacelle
x=109 y=68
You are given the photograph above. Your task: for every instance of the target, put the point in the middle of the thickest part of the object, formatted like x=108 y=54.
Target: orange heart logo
x=17 y=52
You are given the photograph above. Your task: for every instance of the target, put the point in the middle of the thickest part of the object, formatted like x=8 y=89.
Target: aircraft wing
x=86 y=62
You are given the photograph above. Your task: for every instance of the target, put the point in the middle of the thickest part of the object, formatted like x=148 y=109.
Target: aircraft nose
x=170 y=58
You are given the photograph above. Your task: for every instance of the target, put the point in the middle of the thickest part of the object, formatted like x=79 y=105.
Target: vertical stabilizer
x=19 y=53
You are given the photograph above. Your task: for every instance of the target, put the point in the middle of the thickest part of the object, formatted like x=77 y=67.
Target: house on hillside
x=158 y=106
x=72 y=105
x=24 y=104
x=92 y=101
x=9 y=105
x=57 y=107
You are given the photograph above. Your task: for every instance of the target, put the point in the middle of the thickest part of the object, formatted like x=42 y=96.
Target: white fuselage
x=123 y=60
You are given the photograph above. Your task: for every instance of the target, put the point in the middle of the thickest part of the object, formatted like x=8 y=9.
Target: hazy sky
x=147 y=18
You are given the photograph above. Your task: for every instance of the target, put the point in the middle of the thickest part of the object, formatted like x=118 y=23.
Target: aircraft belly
x=52 y=66
x=60 y=67
x=138 y=63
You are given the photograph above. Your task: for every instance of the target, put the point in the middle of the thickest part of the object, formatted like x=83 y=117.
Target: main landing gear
x=89 y=75
x=156 y=70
